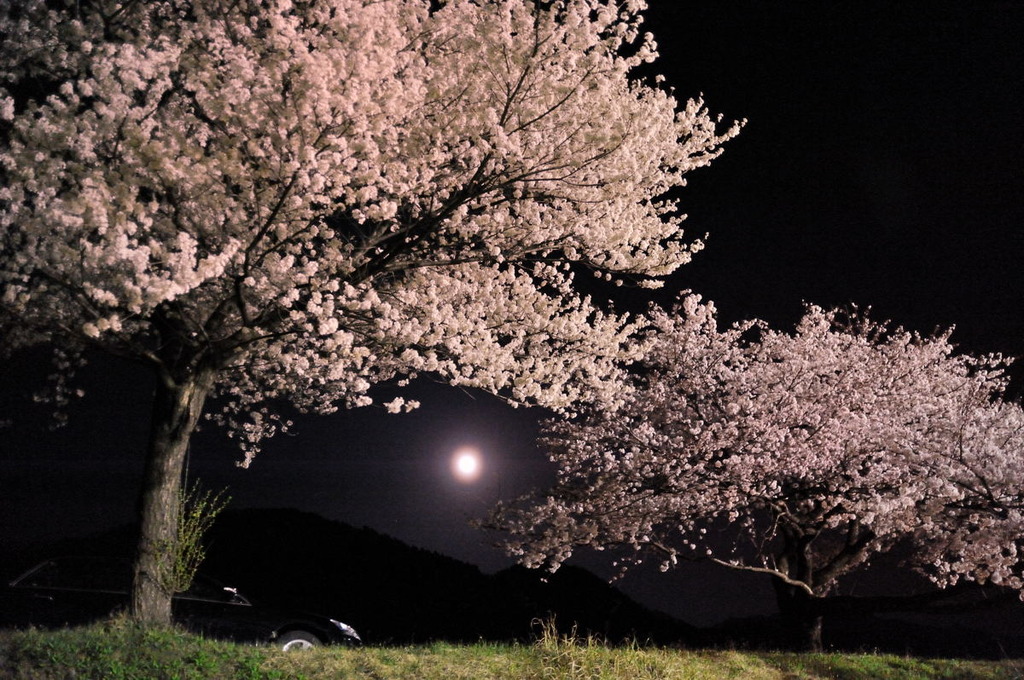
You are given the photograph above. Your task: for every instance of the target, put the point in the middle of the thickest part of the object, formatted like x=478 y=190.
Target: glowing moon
x=466 y=465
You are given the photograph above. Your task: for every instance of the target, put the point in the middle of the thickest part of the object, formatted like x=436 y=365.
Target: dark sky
x=881 y=165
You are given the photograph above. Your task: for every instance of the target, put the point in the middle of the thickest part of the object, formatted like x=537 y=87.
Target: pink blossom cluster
x=305 y=198
x=800 y=454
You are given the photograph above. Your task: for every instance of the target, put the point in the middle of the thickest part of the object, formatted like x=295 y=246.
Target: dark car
x=69 y=591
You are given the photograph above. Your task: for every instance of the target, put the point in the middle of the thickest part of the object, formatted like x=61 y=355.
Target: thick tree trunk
x=177 y=406
x=801 y=617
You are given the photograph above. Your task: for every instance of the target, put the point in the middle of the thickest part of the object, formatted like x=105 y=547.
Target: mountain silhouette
x=390 y=591
x=393 y=592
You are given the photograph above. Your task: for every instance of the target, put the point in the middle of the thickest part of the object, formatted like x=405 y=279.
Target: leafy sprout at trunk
x=198 y=508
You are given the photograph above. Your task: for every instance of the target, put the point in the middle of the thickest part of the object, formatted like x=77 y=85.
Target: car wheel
x=297 y=639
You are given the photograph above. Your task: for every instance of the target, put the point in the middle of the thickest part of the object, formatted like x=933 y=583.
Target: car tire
x=295 y=640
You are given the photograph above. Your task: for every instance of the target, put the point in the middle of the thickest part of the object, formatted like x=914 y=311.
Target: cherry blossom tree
x=294 y=200
x=799 y=455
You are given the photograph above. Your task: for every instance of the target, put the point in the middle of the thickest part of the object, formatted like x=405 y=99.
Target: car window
x=79 y=574
x=206 y=588
x=203 y=588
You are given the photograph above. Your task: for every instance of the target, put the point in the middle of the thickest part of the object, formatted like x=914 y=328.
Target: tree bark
x=177 y=405
x=801 y=617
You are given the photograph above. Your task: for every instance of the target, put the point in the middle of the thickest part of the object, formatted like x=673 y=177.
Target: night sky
x=881 y=165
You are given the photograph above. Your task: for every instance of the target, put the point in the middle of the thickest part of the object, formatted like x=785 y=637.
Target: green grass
x=122 y=651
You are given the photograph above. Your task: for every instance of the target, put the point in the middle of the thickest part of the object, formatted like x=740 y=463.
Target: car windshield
x=98 y=574
x=79 y=573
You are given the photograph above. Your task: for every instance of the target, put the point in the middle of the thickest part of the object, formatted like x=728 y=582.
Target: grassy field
x=120 y=651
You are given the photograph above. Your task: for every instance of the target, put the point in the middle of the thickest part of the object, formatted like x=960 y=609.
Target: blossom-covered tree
x=800 y=455
x=297 y=199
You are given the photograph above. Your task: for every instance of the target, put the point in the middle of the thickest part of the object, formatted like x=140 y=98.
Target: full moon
x=466 y=465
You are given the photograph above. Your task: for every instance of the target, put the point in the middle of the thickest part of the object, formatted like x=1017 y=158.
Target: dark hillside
x=388 y=590
x=394 y=592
